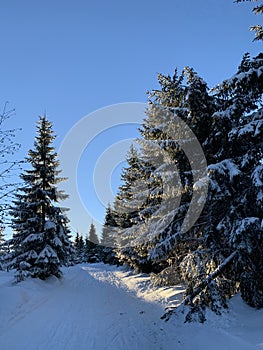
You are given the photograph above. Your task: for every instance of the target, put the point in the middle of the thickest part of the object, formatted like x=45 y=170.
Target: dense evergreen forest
x=189 y=207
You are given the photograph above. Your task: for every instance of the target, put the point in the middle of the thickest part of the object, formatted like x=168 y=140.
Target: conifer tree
x=89 y=250
x=228 y=255
x=107 y=236
x=223 y=250
x=92 y=247
x=79 y=249
x=241 y=222
x=125 y=205
x=93 y=235
x=136 y=199
x=76 y=241
x=40 y=243
x=108 y=240
x=156 y=235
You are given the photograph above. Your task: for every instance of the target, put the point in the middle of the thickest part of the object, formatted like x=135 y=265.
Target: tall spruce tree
x=222 y=250
x=241 y=224
x=228 y=257
x=155 y=237
x=136 y=199
x=127 y=203
x=40 y=243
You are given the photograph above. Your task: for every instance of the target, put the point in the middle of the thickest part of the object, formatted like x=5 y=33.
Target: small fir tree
x=79 y=245
x=93 y=235
x=108 y=240
x=92 y=247
x=107 y=236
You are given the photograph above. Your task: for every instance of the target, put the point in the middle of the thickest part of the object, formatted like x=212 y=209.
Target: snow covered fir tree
x=92 y=246
x=222 y=251
x=107 y=236
x=41 y=241
x=88 y=250
x=93 y=237
x=79 y=246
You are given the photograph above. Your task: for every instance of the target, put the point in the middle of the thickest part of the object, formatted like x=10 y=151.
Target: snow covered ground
x=96 y=307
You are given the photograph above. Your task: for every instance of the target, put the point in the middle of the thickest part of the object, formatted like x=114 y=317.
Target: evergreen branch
x=197 y=290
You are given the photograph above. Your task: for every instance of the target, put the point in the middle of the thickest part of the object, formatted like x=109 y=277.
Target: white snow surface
x=97 y=307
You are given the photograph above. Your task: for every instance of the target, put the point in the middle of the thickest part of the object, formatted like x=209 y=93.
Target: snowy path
x=97 y=307
x=81 y=312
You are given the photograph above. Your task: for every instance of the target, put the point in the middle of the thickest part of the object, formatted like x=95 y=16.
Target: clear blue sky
x=72 y=57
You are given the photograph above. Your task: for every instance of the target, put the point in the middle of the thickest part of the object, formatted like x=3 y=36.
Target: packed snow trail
x=80 y=312
x=99 y=307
